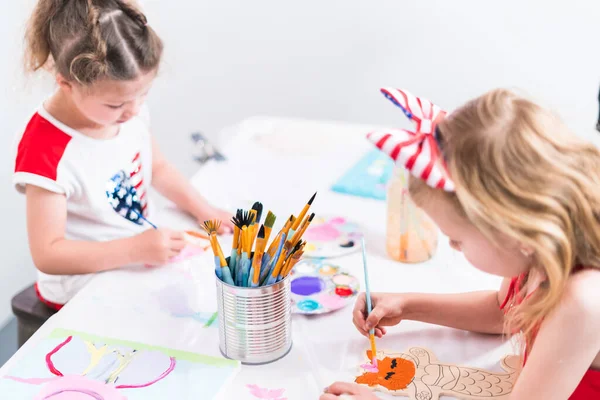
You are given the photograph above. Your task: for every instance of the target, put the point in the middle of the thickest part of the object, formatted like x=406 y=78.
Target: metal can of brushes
x=255 y=324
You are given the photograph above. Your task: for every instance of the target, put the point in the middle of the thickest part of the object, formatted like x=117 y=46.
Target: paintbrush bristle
x=252 y=216
x=311 y=217
x=261 y=232
x=242 y=218
x=212 y=226
x=238 y=218
x=270 y=220
x=312 y=199
x=259 y=209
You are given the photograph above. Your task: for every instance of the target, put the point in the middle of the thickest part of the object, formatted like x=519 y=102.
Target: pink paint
x=342 y=280
x=268 y=394
x=370 y=367
x=49 y=362
x=161 y=377
x=72 y=387
x=331 y=302
x=322 y=233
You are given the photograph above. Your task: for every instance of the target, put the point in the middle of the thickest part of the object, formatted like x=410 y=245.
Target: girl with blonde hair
x=519 y=195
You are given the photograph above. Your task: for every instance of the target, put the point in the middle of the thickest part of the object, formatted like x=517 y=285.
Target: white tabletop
x=282 y=163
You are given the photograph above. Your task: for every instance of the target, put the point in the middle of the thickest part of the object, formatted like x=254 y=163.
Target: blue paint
x=308 y=305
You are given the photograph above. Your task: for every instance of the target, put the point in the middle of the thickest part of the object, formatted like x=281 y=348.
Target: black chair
x=31 y=313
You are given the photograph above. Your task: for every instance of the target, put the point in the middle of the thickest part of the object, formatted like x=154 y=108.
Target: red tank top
x=589 y=387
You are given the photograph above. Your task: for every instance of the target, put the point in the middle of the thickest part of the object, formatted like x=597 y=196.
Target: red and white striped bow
x=416 y=151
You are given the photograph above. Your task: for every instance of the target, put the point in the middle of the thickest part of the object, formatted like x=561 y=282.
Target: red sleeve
x=39 y=154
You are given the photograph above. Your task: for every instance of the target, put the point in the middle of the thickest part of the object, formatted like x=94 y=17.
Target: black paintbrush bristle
x=311 y=217
x=258 y=207
x=312 y=199
x=238 y=218
x=261 y=232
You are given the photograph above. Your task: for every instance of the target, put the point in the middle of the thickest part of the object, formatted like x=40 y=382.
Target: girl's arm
x=174 y=186
x=566 y=345
x=473 y=311
x=55 y=255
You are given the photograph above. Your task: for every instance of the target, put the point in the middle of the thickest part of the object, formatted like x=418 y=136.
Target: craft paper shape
x=76 y=365
x=418 y=375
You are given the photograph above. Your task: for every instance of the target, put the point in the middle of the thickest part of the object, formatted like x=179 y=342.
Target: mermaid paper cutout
x=418 y=375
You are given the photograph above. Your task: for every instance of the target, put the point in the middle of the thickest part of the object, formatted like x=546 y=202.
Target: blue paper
x=367 y=178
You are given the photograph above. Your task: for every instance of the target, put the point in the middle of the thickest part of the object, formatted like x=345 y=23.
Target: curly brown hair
x=88 y=40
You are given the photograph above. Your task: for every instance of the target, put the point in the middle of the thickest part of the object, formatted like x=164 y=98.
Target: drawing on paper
x=418 y=374
x=78 y=365
x=173 y=300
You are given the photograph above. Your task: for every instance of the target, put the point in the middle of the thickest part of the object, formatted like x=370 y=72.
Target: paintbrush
x=236 y=239
x=292 y=263
x=302 y=214
x=221 y=268
x=245 y=239
x=269 y=222
x=288 y=260
x=369 y=306
x=278 y=264
x=258 y=207
x=275 y=242
x=252 y=227
x=274 y=261
x=257 y=259
x=302 y=229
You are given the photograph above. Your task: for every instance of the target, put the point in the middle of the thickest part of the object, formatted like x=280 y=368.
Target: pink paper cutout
x=72 y=387
x=266 y=394
x=31 y=381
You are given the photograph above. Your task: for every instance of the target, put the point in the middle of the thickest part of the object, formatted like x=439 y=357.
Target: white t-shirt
x=105 y=183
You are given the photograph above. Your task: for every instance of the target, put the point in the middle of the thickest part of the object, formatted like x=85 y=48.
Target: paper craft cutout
x=266 y=394
x=73 y=365
x=418 y=375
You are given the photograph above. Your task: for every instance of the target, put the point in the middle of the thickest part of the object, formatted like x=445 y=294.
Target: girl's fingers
x=339 y=388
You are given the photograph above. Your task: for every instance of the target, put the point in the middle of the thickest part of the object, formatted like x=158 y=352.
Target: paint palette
x=331 y=237
x=319 y=288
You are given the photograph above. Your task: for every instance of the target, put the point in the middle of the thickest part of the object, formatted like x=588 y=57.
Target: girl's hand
x=347 y=391
x=158 y=246
x=387 y=311
x=221 y=215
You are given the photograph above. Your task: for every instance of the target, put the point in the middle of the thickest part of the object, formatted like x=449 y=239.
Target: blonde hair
x=88 y=40
x=519 y=171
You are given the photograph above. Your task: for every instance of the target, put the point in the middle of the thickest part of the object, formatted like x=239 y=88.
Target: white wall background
x=323 y=59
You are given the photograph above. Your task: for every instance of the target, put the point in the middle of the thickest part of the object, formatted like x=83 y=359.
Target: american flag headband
x=419 y=151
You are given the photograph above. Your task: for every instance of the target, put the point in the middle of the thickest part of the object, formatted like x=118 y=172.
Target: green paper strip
x=60 y=333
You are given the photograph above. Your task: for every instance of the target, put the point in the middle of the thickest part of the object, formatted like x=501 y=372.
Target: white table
x=291 y=159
